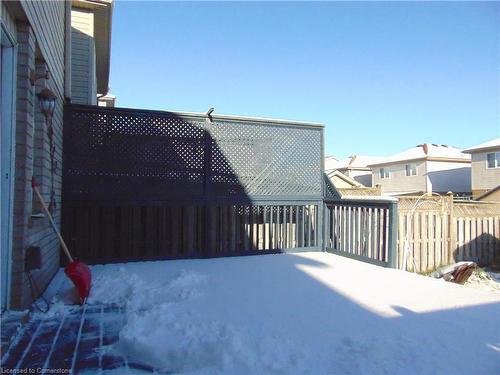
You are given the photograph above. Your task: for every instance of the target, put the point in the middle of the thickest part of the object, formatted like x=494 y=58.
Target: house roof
x=330 y=163
x=333 y=175
x=351 y=162
x=426 y=151
x=103 y=12
x=493 y=144
x=489 y=192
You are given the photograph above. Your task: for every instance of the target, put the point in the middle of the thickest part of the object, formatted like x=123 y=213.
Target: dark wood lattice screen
x=128 y=155
x=147 y=184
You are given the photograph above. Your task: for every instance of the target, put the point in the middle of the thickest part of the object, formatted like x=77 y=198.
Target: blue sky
x=382 y=77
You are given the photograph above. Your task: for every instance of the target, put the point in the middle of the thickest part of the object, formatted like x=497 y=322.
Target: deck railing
x=363 y=229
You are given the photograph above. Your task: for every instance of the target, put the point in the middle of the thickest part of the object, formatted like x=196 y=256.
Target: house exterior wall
x=483 y=179
x=40 y=34
x=363 y=177
x=8 y=20
x=47 y=20
x=449 y=176
x=398 y=182
x=492 y=197
x=83 y=76
x=340 y=183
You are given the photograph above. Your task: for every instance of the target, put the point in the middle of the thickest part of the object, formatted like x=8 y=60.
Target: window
x=384 y=173
x=493 y=160
x=411 y=169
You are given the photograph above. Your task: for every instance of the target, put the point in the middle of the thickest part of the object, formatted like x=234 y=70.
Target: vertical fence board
x=473 y=238
x=424 y=249
x=481 y=248
x=232 y=229
x=491 y=237
x=380 y=234
x=438 y=258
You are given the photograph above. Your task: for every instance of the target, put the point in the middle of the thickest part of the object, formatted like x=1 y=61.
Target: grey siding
x=83 y=77
x=47 y=20
x=398 y=181
x=484 y=178
x=8 y=21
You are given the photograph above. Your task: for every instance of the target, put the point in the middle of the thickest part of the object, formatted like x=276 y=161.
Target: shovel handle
x=34 y=185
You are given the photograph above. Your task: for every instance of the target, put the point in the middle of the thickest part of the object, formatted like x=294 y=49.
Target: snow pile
x=165 y=332
x=313 y=313
x=482 y=279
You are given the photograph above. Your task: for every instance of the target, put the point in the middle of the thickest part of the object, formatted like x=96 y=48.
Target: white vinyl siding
x=83 y=76
x=449 y=176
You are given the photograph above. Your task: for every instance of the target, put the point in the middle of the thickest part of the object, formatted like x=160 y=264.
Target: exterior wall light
x=47 y=102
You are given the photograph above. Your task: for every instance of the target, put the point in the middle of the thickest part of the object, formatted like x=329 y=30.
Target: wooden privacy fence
x=363 y=229
x=436 y=231
x=121 y=233
x=149 y=184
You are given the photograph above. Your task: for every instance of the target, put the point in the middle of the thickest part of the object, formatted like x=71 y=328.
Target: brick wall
x=33 y=155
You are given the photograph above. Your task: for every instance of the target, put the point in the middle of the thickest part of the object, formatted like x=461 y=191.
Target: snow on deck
x=309 y=313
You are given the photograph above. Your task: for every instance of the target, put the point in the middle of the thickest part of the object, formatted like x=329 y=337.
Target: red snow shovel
x=77 y=271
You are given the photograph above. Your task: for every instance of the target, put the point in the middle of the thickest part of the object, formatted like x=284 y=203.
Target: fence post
x=452 y=230
x=324 y=233
x=392 y=260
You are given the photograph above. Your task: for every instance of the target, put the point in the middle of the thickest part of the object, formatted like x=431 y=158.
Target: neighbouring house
x=423 y=169
x=341 y=181
x=90 y=50
x=53 y=53
x=347 y=186
x=486 y=170
x=492 y=195
x=106 y=100
x=355 y=167
x=330 y=162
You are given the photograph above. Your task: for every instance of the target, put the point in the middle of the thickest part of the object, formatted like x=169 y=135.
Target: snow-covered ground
x=313 y=313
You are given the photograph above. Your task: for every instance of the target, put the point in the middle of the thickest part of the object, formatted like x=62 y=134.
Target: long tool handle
x=34 y=185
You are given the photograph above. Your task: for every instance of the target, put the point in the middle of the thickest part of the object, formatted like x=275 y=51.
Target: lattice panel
x=135 y=156
x=141 y=155
x=330 y=191
x=265 y=159
x=427 y=203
